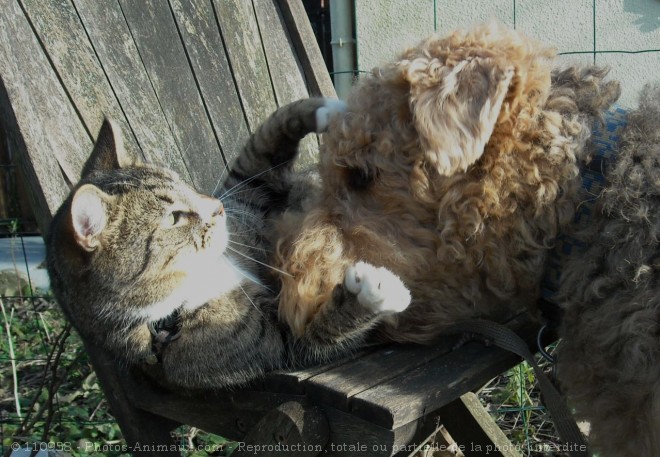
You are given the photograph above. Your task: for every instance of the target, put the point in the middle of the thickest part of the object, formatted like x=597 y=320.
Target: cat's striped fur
x=133 y=243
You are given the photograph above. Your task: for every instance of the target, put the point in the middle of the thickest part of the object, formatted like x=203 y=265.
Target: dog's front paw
x=377 y=288
x=331 y=108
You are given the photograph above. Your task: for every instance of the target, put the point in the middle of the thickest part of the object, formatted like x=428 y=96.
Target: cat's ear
x=89 y=214
x=455 y=108
x=109 y=152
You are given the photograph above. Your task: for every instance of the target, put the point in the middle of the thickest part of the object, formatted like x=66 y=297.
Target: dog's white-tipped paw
x=330 y=109
x=377 y=288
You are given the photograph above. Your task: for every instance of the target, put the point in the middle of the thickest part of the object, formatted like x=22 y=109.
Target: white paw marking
x=331 y=108
x=377 y=288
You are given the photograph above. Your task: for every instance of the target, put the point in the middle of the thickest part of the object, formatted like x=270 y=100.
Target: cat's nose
x=219 y=211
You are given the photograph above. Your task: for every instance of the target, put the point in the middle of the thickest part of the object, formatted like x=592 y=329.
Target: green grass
x=513 y=400
x=54 y=394
x=57 y=398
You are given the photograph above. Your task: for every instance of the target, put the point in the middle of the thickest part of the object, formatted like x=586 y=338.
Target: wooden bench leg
x=472 y=427
x=146 y=434
x=290 y=429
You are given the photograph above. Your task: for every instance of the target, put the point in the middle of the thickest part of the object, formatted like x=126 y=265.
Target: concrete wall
x=384 y=27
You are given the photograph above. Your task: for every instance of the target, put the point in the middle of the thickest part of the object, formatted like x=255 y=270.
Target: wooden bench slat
x=161 y=51
x=232 y=414
x=51 y=136
x=339 y=385
x=199 y=28
x=63 y=36
x=137 y=425
x=306 y=48
x=286 y=74
x=427 y=388
x=433 y=385
x=112 y=41
x=469 y=422
x=351 y=436
x=240 y=35
x=295 y=381
x=227 y=414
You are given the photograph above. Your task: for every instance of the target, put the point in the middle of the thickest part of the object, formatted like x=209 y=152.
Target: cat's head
x=133 y=241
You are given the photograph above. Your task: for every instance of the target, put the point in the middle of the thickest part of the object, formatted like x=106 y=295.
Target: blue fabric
x=605 y=139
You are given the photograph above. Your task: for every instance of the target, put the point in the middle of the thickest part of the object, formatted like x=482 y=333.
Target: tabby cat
x=133 y=244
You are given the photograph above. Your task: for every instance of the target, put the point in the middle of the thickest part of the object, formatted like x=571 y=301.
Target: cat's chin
x=209 y=279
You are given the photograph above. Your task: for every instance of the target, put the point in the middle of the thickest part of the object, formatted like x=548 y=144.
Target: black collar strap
x=163 y=332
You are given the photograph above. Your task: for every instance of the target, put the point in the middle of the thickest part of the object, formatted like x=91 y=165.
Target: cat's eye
x=175 y=219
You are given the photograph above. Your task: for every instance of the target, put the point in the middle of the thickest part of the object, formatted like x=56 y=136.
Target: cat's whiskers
x=249 y=226
x=232 y=210
x=250 y=190
x=228 y=192
x=237 y=233
x=250 y=300
x=220 y=179
x=259 y=262
x=249 y=278
x=248 y=246
x=247 y=230
x=243 y=213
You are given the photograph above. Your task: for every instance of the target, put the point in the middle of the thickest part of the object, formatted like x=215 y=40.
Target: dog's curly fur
x=455 y=167
x=609 y=358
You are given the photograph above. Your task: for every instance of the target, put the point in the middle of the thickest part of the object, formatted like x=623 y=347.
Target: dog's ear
x=455 y=108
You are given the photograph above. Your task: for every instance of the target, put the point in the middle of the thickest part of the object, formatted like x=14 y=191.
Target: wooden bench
x=188 y=80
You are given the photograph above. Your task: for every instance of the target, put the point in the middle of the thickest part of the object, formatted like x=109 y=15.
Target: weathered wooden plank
x=233 y=414
x=351 y=436
x=473 y=427
x=64 y=39
x=306 y=48
x=432 y=386
x=139 y=427
x=230 y=414
x=293 y=428
x=431 y=439
x=294 y=381
x=155 y=33
x=41 y=120
x=114 y=46
x=337 y=386
x=242 y=40
x=286 y=73
x=201 y=36
x=54 y=184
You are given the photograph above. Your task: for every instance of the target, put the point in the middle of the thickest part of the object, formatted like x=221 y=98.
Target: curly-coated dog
x=609 y=358
x=454 y=167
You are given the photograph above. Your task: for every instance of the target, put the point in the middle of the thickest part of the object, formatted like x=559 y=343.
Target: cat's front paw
x=331 y=108
x=377 y=288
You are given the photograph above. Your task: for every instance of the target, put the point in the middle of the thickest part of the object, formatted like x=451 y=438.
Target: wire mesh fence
x=621 y=34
